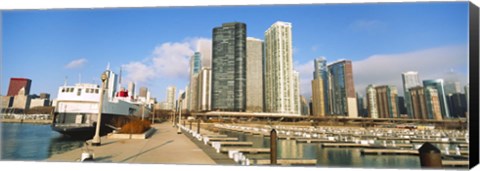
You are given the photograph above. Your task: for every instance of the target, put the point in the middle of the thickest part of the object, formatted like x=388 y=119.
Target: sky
x=153 y=45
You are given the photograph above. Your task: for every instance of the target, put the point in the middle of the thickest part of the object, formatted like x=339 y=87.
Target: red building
x=18 y=83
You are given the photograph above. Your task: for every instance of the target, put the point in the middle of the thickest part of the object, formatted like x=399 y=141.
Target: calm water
x=33 y=142
x=332 y=157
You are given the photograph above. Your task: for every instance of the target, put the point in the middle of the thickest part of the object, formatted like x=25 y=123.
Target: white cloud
x=386 y=69
x=78 y=63
x=169 y=60
x=306 y=76
x=204 y=46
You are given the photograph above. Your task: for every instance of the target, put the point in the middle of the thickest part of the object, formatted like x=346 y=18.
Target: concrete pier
x=165 y=146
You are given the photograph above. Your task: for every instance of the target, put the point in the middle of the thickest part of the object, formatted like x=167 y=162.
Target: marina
x=237 y=144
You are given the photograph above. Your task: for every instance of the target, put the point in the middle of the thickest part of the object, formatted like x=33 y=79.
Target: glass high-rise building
x=342 y=100
x=280 y=86
x=320 y=87
x=438 y=84
x=195 y=64
x=229 y=67
x=433 y=102
x=410 y=79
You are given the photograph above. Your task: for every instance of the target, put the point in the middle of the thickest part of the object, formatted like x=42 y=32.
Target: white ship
x=76 y=107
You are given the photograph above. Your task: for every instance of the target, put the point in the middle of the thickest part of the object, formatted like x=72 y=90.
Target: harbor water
x=33 y=142
x=327 y=157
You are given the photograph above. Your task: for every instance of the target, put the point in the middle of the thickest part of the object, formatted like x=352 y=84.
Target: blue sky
x=154 y=44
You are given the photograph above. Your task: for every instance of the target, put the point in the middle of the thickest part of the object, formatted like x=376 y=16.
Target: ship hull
x=83 y=130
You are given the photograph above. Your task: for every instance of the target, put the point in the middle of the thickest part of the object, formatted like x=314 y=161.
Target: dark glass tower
x=229 y=67
x=342 y=100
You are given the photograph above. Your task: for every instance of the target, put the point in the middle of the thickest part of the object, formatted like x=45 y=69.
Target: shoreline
x=30 y=121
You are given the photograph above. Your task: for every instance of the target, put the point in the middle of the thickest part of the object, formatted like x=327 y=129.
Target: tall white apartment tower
x=279 y=77
x=296 y=92
x=204 y=89
x=372 y=107
x=171 y=90
x=410 y=79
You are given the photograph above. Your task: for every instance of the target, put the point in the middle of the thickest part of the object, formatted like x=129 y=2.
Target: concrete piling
x=273 y=147
x=430 y=156
x=198 y=126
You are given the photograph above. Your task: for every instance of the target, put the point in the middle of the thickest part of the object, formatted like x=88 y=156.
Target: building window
x=79 y=92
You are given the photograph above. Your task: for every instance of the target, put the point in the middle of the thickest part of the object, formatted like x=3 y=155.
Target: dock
x=388 y=151
x=285 y=161
x=345 y=145
x=310 y=140
x=165 y=146
x=437 y=141
x=215 y=135
x=463 y=153
x=233 y=143
x=245 y=150
x=455 y=163
x=223 y=139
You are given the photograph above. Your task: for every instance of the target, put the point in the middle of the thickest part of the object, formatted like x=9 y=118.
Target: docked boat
x=76 y=108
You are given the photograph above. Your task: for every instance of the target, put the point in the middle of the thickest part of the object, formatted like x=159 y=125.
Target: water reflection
x=332 y=157
x=33 y=142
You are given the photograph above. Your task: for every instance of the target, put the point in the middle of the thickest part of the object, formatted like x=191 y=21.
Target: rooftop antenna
x=108 y=66
x=65 y=81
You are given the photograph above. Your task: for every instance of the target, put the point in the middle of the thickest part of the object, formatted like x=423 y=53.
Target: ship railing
x=72 y=125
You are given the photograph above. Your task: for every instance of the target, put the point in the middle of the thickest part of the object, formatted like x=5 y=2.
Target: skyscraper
x=467 y=95
x=410 y=79
x=452 y=83
x=254 y=75
x=296 y=93
x=229 y=67
x=439 y=86
x=195 y=64
x=170 y=104
x=318 y=100
x=361 y=110
x=433 y=103
x=457 y=103
x=387 y=101
x=131 y=89
x=111 y=83
x=279 y=76
x=401 y=106
x=18 y=83
x=418 y=102
x=305 y=108
x=143 y=92
x=320 y=87
x=342 y=100
x=204 y=89
x=372 y=108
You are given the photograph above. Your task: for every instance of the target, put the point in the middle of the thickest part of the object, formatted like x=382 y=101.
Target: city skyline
x=152 y=71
